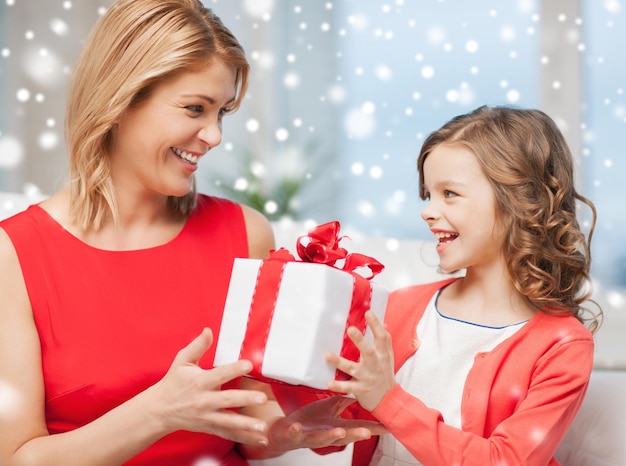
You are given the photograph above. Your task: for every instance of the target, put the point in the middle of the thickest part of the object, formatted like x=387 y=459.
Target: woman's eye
x=225 y=111
x=195 y=108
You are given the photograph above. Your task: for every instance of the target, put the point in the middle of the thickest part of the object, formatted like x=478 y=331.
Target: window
x=406 y=69
x=604 y=161
x=342 y=94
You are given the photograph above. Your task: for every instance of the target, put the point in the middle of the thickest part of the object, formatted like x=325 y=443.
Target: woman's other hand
x=190 y=397
x=319 y=425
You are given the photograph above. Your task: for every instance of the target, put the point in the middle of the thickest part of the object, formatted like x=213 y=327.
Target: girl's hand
x=189 y=397
x=318 y=425
x=373 y=375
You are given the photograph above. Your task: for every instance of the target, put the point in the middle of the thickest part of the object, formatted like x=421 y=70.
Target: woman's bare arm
x=178 y=401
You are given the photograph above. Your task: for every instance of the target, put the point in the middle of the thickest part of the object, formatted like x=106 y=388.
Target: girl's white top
x=436 y=373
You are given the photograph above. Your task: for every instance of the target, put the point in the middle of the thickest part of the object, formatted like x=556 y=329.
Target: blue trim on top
x=472 y=323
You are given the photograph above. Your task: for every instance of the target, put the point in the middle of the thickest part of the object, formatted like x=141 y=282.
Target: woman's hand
x=190 y=398
x=318 y=425
x=373 y=375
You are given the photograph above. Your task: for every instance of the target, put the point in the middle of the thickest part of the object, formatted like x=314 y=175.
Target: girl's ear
x=504 y=219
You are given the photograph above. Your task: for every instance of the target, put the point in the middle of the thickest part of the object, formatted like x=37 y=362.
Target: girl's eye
x=448 y=194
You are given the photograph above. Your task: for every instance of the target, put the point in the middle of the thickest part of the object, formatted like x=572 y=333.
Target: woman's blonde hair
x=530 y=167
x=136 y=45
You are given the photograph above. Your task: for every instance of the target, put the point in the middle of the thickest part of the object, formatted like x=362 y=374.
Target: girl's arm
x=530 y=435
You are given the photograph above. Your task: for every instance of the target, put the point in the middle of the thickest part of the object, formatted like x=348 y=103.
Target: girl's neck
x=485 y=299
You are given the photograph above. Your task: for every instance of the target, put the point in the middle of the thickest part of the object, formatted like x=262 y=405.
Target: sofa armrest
x=597 y=435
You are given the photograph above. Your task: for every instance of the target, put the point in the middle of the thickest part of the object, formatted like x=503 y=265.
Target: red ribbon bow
x=323 y=248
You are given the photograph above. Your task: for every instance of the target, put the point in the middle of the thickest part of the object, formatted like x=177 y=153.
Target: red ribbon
x=262 y=311
x=322 y=248
x=323 y=245
x=361 y=302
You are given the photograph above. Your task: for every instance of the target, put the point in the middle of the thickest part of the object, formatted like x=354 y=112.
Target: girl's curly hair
x=530 y=167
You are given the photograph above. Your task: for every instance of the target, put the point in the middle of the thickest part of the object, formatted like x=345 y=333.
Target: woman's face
x=158 y=143
x=461 y=210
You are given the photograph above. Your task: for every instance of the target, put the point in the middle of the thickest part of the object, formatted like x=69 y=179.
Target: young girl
x=490 y=368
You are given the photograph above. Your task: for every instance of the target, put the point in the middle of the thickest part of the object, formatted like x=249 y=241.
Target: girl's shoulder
x=406 y=305
x=417 y=294
x=559 y=327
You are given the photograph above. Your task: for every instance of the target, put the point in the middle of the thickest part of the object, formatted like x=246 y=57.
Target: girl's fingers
x=343 y=364
x=378 y=330
x=382 y=338
x=339 y=386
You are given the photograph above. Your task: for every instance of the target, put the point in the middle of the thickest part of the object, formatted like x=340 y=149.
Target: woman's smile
x=186 y=156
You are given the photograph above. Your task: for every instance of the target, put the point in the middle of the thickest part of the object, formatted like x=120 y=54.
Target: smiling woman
x=171 y=128
x=129 y=252
x=130 y=213
x=165 y=43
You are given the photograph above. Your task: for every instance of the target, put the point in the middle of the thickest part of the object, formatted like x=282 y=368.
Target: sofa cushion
x=597 y=435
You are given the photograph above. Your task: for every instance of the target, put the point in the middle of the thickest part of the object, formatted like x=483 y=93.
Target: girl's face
x=461 y=210
x=158 y=143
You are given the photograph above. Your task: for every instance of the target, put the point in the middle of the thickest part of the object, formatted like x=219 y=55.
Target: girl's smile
x=461 y=210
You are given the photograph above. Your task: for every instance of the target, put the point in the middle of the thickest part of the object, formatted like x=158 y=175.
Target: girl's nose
x=429 y=213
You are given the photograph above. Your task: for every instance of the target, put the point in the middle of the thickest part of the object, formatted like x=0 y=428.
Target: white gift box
x=309 y=319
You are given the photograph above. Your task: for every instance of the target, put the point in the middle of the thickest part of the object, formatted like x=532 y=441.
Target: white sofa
x=598 y=435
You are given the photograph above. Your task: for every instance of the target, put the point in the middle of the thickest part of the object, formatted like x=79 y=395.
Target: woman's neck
x=142 y=223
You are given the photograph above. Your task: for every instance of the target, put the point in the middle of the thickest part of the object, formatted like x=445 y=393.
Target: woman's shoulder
x=207 y=201
x=12 y=287
x=242 y=218
x=7 y=250
x=20 y=223
x=260 y=233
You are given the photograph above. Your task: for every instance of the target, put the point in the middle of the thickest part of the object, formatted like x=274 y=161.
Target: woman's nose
x=211 y=134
